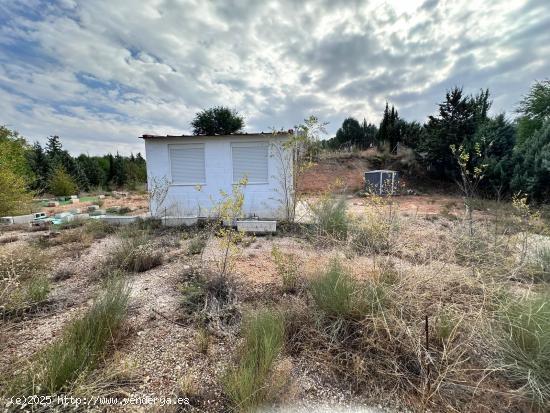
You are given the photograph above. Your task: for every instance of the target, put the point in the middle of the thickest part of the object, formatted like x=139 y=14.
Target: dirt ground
x=348 y=171
x=159 y=355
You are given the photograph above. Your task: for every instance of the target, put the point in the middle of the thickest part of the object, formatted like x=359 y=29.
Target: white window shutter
x=187 y=164
x=250 y=160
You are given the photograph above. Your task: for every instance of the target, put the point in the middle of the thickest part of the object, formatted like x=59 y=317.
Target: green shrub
x=445 y=325
x=330 y=217
x=38 y=289
x=375 y=231
x=338 y=295
x=61 y=183
x=196 y=245
x=83 y=343
x=247 y=384
x=287 y=268
x=523 y=344
x=371 y=235
x=98 y=229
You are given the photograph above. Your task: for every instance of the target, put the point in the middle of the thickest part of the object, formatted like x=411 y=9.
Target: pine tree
x=383 y=133
x=454 y=125
x=38 y=162
x=369 y=134
x=54 y=147
x=119 y=173
x=394 y=131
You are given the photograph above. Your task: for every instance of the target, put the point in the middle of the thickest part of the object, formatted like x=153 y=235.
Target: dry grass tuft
x=135 y=252
x=84 y=341
x=247 y=384
x=23 y=278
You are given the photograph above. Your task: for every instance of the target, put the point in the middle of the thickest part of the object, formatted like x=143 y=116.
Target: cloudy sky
x=99 y=73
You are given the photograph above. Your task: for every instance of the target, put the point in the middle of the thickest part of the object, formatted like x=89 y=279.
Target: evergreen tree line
x=513 y=155
x=51 y=169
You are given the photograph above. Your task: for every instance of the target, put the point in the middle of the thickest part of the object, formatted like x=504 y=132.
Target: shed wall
x=260 y=199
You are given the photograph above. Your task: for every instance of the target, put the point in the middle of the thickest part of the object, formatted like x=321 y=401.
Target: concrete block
x=74 y=200
x=74 y=196
x=23 y=219
x=6 y=220
x=101 y=196
x=52 y=204
x=177 y=221
x=97 y=212
x=118 y=219
x=257 y=226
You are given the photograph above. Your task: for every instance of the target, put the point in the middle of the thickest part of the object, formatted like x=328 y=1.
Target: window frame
x=175 y=146
x=244 y=144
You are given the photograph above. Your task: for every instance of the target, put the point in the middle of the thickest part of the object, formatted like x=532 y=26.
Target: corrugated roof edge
x=146 y=136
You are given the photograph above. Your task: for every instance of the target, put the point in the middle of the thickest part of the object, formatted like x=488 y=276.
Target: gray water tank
x=381 y=181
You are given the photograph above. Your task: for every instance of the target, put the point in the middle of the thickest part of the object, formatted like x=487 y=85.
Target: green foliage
x=534 y=109
x=196 y=245
x=330 y=217
x=353 y=134
x=445 y=325
x=375 y=230
x=532 y=171
x=82 y=344
x=85 y=171
x=14 y=197
x=38 y=289
x=522 y=341
x=412 y=133
x=15 y=174
x=219 y=120
x=389 y=132
x=61 y=183
x=338 y=295
x=288 y=269
x=350 y=133
x=13 y=153
x=454 y=125
x=98 y=229
x=247 y=384
x=496 y=139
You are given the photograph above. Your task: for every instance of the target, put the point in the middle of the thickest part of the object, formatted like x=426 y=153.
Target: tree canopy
x=219 y=120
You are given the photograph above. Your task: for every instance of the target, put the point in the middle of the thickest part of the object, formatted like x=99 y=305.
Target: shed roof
x=251 y=134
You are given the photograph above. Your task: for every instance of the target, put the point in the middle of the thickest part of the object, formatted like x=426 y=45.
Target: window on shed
x=250 y=159
x=187 y=163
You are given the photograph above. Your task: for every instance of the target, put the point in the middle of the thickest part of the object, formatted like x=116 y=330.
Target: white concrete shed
x=186 y=173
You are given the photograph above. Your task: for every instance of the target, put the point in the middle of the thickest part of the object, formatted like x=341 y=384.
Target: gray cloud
x=100 y=73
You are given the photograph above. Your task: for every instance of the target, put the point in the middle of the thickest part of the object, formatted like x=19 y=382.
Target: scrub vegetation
x=433 y=300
